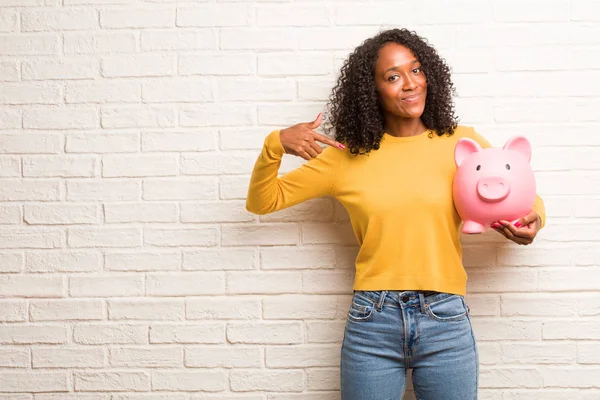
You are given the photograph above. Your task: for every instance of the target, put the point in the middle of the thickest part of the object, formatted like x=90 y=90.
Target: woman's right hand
x=301 y=140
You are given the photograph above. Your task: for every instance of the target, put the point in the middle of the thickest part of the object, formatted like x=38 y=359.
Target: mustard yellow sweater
x=399 y=199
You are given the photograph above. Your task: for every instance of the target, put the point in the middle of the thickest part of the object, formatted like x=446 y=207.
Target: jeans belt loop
x=379 y=303
x=422 y=302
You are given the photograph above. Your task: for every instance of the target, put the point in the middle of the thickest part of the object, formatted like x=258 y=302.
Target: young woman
x=391 y=166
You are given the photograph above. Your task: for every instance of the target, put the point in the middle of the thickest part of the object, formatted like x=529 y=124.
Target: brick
x=138 y=65
x=493 y=329
x=33 y=334
x=60 y=118
x=63 y=261
x=139 y=166
x=323 y=379
x=571 y=329
x=99 y=43
x=105 y=237
x=226 y=308
x=570 y=376
x=217 y=163
x=217 y=115
x=143 y=261
x=167 y=357
x=561 y=279
x=263 y=234
x=66 y=309
x=67 y=68
x=538 y=353
x=258 y=39
x=25 y=45
x=32 y=238
x=325 y=331
x=529 y=59
x=13 y=311
x=511 y=378
x=314 y=90
x=298 y=306
x=63 y=167
x=111 y=381
x=212 y=381
x=296 y=258
x=140 y=212
x=185 y=284
x=215 y=16
x=138 y=117
x=52 y=357
x=247 y=89
x=333 y=282
x=58 y=214
x=285 y=65
x=220 y=259
x=338 y=38
x=206 y=332
x=178 y=141
x=506 y=280
x=99 y=334
x=50 y=143
x=137 y=18
x=106 y=286
x=179 y=39
x=302 y=356
x=14 y=357
x=242 y=139
x=266 y=282
x=293 y=15
x=146 y=309
x=587 y=353
x=172 y=237
x=114 y=91
x=216 y=212
x=10 y=118
x=213 y=357
x=102 y=143
x=8 y=20
x=34 y=382
x=177 y=90
x=28 y=93
x=267 y=380
x=217 y=64
x=112 y=190
x=531 y=11
x=59 y=20
x=287 y=115
x=9 y=71
x=233 y=187
x=201 y=188
x=10 y=167
x=10 y=215
x=264 y=332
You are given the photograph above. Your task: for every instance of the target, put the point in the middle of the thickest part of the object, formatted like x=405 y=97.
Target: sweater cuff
x=273 y=145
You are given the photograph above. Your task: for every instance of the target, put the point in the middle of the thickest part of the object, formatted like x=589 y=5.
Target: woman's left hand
x=523 y=231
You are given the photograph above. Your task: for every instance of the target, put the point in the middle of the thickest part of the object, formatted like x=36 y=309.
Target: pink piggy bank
x=492 y=184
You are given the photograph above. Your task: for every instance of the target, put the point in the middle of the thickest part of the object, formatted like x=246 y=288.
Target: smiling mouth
x=412 y=97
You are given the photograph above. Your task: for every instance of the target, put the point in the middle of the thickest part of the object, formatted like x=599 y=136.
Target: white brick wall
x=129 y=267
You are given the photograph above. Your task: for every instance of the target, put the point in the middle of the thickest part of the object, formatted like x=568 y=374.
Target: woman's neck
x=404 y=127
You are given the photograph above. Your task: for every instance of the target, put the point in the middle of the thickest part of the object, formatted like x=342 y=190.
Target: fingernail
x=518 y=224
x=341 y=146
x=319 y=115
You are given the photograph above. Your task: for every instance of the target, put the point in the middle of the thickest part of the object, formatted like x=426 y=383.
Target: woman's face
x=401 y=84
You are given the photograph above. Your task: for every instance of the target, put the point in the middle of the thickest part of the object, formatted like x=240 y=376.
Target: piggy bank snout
x=493 y=188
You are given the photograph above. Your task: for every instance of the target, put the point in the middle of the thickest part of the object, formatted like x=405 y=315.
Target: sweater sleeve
x=538 y=205
x=268 y=193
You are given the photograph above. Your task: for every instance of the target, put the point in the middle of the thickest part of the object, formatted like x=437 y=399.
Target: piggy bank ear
x=464 y=148
x=519 y=144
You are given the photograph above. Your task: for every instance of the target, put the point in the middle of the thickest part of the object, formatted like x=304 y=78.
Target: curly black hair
x=354 y=111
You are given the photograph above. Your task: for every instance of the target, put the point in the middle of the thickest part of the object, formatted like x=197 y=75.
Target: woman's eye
x=391 y=78
x=417 y=70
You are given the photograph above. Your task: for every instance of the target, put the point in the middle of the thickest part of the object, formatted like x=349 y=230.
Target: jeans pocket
x=361 y=309
x=447 y=309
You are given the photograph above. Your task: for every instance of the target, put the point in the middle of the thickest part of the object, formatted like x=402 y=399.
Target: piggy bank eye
x=507 y=166
x=478 y=167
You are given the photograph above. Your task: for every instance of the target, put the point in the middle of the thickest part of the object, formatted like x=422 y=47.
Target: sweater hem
x=412 y=283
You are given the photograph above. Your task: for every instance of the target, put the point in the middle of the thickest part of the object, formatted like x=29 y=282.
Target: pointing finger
x=324 y=139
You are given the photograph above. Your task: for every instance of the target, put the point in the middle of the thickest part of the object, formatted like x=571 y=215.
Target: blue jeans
x=388 y=332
